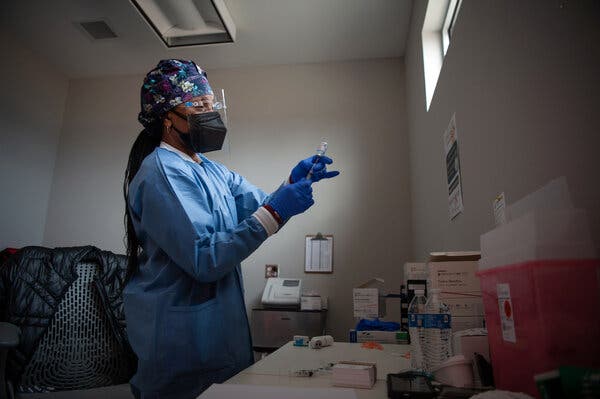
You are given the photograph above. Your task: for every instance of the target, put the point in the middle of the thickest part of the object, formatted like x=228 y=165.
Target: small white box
x=354 y=374
x=310 y=303
x=415 y=271
x=369 y=299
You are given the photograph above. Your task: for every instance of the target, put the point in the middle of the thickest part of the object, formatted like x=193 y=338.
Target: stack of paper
x=354 y=374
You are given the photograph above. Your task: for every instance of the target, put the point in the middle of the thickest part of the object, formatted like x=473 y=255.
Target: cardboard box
x=369 y=299
x=464 y=305
x=383 y=337
x=310 y=303
x=453 y=273
x=354 y=374
x=461 y=323
x=414 y=271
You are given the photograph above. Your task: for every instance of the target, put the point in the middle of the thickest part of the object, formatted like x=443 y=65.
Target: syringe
x=321 y=149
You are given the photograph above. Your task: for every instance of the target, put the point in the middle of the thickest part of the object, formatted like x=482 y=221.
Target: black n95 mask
x=206 y=132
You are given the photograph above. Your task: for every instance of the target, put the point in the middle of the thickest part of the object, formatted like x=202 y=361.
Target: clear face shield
x=207 y=123
x=218 y=104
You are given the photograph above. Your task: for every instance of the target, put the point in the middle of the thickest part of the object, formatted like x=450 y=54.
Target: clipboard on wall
x=319 y=254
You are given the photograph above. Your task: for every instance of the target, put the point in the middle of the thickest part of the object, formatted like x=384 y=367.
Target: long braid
x=144 y=144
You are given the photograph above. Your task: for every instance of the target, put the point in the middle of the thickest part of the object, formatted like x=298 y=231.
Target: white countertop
x=277 y=368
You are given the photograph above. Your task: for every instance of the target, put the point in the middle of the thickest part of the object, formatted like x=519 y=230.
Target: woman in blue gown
x=190 y=222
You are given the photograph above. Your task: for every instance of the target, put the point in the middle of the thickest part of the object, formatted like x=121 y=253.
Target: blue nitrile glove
x=319 y=171
x=292 y=199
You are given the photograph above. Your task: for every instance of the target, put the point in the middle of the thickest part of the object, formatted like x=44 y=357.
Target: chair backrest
x=78 y=350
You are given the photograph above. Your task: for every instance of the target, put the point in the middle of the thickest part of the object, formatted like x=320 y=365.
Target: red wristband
x=273 y=213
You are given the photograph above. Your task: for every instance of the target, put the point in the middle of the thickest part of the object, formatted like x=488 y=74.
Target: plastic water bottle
x=437 y=331
x=416 y=311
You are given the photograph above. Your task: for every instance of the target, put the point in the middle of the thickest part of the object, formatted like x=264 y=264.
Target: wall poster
x=455 y=200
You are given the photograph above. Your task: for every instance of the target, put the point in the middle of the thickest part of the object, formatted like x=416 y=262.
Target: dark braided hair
x=144 y=144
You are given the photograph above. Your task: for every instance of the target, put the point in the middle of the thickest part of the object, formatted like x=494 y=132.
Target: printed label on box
x=463 y=305
x=366 y=302
x=454 y=276
x=506 y=313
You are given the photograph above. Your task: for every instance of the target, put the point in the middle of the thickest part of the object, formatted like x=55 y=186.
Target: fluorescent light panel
x=188 y=22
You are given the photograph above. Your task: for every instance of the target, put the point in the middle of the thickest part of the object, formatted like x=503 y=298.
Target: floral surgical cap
x=171 y=83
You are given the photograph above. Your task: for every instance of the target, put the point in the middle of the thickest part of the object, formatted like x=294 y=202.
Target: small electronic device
x=282 y=292
x=410 y=384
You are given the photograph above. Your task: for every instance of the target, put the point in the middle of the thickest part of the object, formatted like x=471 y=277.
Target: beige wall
x=31 y=112
x=522 y=77
x=277 y=117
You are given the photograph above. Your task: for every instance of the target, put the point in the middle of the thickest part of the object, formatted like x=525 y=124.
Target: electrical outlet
x=271 y=271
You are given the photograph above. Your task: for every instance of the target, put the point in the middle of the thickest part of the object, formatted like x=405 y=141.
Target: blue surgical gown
x=186 y=318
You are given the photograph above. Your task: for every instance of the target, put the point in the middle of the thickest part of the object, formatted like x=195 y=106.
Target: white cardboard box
x=310 y=303
x=453 y=276
x=415 y=271
x=461 y=323
x=354 y=374
x=464 y=305
x=369 y=299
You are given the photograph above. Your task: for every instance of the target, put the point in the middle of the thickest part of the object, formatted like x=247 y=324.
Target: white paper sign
x=506 y=313
x=455 y=201
x=500 y=209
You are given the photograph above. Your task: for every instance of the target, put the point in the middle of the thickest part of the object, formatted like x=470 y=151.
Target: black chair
x=67 y=305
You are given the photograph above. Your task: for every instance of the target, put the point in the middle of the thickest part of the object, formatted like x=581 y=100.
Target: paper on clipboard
x=319 y=254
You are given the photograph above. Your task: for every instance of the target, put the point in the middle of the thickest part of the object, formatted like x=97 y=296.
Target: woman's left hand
x=319 y=171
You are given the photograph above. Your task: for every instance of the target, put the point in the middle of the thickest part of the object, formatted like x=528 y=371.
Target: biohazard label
x=507 y=319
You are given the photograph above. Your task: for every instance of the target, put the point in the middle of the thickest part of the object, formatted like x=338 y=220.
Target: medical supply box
x=310 y=302
x=368 y=299
x=414 y=271
x=354 y=374
x=455 y=274
x=383 y=337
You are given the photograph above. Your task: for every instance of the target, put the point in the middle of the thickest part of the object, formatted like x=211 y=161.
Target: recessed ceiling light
x=181 y=23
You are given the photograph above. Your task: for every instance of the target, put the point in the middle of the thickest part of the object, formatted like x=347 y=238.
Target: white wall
x=522 y=77
x=31 y=111
x=277 y=117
